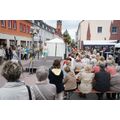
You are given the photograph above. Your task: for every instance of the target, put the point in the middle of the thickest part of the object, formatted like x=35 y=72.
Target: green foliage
x=67 y=37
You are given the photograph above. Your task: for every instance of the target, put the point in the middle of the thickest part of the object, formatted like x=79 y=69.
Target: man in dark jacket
x=102 y=81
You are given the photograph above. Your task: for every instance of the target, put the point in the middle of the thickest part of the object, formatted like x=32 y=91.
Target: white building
x=98 y=30
x=46 y=32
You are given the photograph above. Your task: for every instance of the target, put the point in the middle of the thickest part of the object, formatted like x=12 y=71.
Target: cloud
x=70 y=25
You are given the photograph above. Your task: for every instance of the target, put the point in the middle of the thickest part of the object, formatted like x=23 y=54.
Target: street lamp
x=33 y=31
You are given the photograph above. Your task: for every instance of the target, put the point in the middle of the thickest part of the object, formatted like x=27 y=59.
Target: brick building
x=15 y=31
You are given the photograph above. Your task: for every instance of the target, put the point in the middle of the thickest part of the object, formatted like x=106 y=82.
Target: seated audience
x=14 y=89
x=43 y=89
x=102 y=81
x=56 y=78
x=86 y=80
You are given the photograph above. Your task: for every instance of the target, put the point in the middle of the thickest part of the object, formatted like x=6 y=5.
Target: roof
x=117 y=45
x=99 y=42
x=55 y=40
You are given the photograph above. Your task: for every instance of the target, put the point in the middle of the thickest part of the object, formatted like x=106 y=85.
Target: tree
x=73 y=44
x=66 y=37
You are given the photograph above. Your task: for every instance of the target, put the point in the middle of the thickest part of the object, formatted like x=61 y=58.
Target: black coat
x=102 y=81
x=57 y=80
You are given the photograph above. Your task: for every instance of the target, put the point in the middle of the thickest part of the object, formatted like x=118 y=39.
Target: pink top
x=111 y=70
x=96 y=69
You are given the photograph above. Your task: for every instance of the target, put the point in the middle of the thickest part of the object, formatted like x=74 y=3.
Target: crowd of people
x=9 y=53
x=84 y=70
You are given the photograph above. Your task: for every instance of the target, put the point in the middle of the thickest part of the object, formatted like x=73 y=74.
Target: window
x=14 y=24
x=21 y=27
x=27 y=29
x=99 y=29
x=3 y=23
x=10 y=24
x=114 y=30
x=42 y=25
x=24 y=28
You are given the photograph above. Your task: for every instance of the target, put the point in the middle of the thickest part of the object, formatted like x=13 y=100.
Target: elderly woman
x=115 y=82
x=86 y=80
x=43 y=89
x=111 y=67
x=14 y=89
x=69 y=80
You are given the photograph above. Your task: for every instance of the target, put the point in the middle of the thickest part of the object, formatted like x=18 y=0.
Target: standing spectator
x=10 y=53
x=7 y=53
x=102 y=81
x=45 y=50
x=19 y=51
x=15 y=56
x=56 y=78
x=14 y=89
x=43 y=89
x=2 y=54
x=22 y=52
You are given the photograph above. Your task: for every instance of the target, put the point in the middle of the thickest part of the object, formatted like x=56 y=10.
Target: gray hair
x=118 y=68
x=11 y=71
x=42 y=73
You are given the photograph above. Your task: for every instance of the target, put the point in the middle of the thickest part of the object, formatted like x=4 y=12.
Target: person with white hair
x=115 y=82
x=86 y=79
x=86 y=60
x=43 y=89
x=93 y=60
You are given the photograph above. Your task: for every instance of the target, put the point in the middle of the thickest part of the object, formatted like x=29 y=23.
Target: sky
x=70 y=25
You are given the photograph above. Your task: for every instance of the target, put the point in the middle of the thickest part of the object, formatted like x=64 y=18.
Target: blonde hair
x=88 y=68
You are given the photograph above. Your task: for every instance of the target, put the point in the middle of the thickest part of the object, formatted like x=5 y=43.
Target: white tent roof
x=99 y=42
x=55 y=40
x=117 y=45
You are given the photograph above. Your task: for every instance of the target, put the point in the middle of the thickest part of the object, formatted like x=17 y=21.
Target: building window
x=99 y=29
x=27 y=29
x=42 y=25
x=114 y=30
x=24 y=28
x=10 y=24
x=53 y=31
x=14 y=24
x=21 y=27
x=3 y=23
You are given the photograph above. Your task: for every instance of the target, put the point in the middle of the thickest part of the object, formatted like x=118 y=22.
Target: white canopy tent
x=99 y=42
x=56 y=47
x=117 y=45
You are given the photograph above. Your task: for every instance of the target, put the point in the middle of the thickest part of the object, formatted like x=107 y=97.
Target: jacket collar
x=13 y=84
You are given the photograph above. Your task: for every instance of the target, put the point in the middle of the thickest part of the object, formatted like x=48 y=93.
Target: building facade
x=46 y=32
x=15 y=32
x=98 y=30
